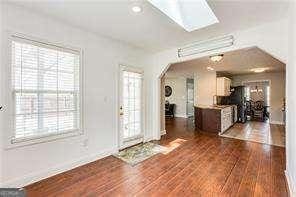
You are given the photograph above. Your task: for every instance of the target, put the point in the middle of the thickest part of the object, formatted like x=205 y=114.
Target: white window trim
x=12 y=142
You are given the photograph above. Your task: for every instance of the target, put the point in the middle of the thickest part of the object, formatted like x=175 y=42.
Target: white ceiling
x=236 y=62
x=151 y=29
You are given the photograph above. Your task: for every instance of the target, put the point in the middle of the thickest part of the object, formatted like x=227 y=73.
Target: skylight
x=189 y=14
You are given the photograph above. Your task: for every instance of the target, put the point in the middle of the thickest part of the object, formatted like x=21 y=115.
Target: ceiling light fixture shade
x=259 y=70
x=207 y=45
x=210 y=68
x=136 y=9
x=216 y=58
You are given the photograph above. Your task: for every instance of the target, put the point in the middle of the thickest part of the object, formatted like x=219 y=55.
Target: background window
x=45 y=89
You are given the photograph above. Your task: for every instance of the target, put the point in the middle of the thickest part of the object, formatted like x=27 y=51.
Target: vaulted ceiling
x=151 y=29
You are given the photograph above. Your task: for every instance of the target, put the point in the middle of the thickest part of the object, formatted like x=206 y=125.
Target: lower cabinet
x=226 y=118
x=213 y=120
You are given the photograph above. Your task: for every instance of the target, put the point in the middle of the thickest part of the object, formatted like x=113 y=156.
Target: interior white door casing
x=131 y=106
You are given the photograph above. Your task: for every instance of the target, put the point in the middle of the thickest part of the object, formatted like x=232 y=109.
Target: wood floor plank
x=204 y=165
x=279 y=185
x=264 y=179
x=219 y=175
x=180 y=178
x=248 y=182
x=201 y=173
x=182 y=170
x=234 y=179
x=130 y=187
x=101 y=184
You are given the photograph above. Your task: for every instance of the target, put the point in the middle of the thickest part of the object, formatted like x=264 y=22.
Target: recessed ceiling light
x=216 y=58
x=136 y=9
x=259 y=70
x=210 y=68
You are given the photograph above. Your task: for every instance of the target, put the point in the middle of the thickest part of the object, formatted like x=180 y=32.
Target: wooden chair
x=258 y=110
x=249 y=108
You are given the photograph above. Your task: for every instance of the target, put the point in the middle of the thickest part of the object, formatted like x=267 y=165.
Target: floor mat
x=141 y=152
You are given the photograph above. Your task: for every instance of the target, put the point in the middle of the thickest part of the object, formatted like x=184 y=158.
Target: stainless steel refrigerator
x=237 y=97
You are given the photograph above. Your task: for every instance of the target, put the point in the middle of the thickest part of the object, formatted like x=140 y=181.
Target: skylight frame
x=187 y=13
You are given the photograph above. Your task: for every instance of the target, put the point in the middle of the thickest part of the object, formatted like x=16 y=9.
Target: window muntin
x=45 y=88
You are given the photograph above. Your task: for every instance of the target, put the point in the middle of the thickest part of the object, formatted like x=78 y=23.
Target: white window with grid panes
x=45 y=89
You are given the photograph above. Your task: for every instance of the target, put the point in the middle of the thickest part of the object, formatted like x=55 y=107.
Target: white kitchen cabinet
x=226 y=118
x=223 y=86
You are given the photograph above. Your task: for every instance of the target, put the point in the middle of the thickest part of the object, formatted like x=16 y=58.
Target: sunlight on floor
x=173 y=145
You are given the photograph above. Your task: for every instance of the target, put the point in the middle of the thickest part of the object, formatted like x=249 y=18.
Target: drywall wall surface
x=178 y=97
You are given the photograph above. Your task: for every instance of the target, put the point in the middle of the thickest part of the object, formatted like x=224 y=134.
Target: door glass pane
x=132 y=87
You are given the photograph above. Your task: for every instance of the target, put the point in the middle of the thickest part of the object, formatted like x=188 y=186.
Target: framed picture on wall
x=168 y=91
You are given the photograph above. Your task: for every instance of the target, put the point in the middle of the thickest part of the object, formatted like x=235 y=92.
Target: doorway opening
x=246 y=102
x=177 y=100
x=257 y=94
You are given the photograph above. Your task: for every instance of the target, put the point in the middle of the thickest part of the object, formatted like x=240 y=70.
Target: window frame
x=45 y=137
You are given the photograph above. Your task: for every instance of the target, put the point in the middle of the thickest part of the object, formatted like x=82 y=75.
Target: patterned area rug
x=141 y=152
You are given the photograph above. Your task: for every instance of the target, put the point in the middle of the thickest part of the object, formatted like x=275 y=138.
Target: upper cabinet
x=223 y=86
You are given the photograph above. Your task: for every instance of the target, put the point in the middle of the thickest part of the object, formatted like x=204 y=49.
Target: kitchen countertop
x=217 y=107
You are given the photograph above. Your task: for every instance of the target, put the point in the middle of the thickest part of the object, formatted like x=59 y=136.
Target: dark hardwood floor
x=198 y=165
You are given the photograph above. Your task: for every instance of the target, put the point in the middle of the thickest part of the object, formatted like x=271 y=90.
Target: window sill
x=26 y=141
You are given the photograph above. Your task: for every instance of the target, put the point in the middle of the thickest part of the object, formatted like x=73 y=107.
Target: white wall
x=1 y=97
x=101 y=58
x=291 y=105
x=179 y=92
x=277 y=91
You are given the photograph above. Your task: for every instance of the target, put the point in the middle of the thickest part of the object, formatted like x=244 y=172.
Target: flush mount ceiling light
x=259 y=70
x=210 y=68
x=191 y=15
x=136 y=9
x=216 y=58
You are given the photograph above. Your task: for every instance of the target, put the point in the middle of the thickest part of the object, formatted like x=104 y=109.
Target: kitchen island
x=215 y=118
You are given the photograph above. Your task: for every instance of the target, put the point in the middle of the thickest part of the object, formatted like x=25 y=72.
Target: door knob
x=121 y=112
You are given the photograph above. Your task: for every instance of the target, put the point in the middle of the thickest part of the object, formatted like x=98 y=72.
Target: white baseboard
x=276 y=122
x=291 y=184
x=37 y=176
x=147 y=139
x=162 y=132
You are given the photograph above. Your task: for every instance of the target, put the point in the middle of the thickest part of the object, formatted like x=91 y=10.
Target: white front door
x=130 y=106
